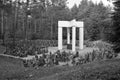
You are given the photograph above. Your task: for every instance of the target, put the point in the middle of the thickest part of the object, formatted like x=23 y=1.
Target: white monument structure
x=68 y=24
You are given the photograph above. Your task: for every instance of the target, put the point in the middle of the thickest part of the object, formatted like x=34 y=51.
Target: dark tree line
x=37 y=19
x=116 y=26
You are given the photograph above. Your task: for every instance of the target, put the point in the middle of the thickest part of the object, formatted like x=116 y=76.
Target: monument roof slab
x=70 y=24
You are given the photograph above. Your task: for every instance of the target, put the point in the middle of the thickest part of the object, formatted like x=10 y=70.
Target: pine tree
x=116 y=26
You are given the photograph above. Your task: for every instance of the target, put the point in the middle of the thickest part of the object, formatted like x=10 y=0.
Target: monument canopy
x=70 y=24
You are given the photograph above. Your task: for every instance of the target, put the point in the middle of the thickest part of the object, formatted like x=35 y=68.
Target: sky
x=72 y=2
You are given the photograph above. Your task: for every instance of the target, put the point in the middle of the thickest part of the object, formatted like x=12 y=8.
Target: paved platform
x=81 y=52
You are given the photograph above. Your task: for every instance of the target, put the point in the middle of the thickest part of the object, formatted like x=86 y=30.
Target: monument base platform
x=81 y=52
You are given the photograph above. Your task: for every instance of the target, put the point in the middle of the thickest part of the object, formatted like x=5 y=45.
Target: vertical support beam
x=68 y=35
x=73 y=38
x=59 y=38
x=81 y=37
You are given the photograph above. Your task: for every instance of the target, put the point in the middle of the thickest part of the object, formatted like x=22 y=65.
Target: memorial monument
x=68 y=24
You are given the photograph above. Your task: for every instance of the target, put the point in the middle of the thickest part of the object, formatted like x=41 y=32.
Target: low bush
x=22 y=49
x=76 y=59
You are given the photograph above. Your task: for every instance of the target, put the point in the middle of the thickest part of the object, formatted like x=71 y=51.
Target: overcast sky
x=72 y=2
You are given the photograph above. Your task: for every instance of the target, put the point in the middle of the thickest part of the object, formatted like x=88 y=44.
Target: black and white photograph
x=59 y=39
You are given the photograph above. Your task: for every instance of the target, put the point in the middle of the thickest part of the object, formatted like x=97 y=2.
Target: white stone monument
x=74 y=24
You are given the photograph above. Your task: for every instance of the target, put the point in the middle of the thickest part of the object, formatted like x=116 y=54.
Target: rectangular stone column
x=59 y=38
x=73 y=38
x=81 y=38
x=68 y=35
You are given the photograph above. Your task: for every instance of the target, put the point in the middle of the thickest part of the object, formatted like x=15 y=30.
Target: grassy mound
x=104 y=70
x=13 y=69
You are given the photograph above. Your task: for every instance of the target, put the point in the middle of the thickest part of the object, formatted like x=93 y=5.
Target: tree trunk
x=23 y=24
x=15 y=23
x=35 y=26
x=4 y=29
x=51 y=27
x=2 y=23
x=26 y=19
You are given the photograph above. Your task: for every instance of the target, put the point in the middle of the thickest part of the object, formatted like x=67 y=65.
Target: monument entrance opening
x=71 y=24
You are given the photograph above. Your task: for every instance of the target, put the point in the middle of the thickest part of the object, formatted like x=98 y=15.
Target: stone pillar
x=59 y=38
x=81 y=37
x=73 y=38
x=68 y=35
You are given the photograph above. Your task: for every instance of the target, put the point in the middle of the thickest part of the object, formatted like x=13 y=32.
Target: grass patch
x=13 y=69
x=10 y=68
x=104 y=70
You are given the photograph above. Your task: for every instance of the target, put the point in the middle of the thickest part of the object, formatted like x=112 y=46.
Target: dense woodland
x=116 y=26
x=37 y=19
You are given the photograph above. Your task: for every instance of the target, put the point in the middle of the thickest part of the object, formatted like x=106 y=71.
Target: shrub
x=24 y=48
